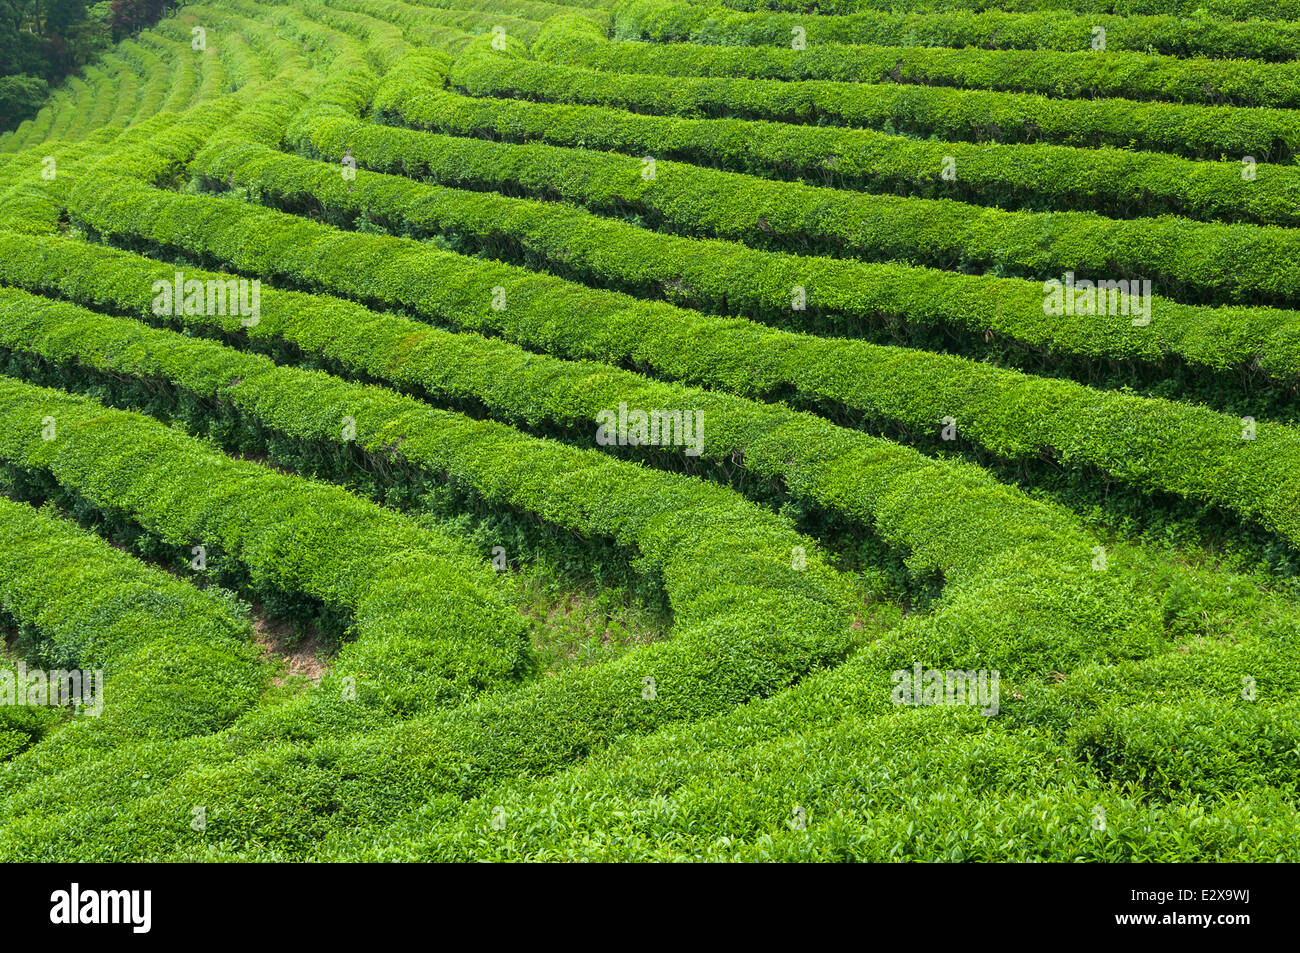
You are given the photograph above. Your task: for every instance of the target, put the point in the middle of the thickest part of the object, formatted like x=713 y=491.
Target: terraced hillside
x=787 y=429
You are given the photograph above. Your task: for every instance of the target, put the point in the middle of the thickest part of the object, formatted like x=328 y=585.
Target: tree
x=20 y=96
x=90 y=36
x=128 y=17
x=62 y=15
x=41 y=41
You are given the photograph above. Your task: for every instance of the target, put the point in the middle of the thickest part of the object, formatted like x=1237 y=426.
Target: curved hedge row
x=1184 y=260
x=757 y=632
x=1073 y=75
x=289 y=777
x=773 y=442
x=35 y=204
x=321 y=43
x=1220 y=9
x=664 y=22
x=237 y=34
x=112 y=88
x=442 y=755
x=732 y=278
x=72 y=88
x=157 y=149
x=1116 y=182
x=703 y=538
x=533 y=732
x=157 y=76
x=360 y=40
x=439 y=760
x=536 y=10
x=177 y=661
x=545 y=727
x=1202 y=132
x=421 y=643
x=239 y=51
x=186 y=73
x=437 y=25
x=1152 y=444
x=826 y=744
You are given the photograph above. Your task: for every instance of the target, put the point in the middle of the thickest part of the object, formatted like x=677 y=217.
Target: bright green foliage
x=1073 y=75
x=178 y=662
x=1180 y=449
x=665 y=22
x=1112 y=181
x=1207 y=132
x=481 y=234
x=440 y=642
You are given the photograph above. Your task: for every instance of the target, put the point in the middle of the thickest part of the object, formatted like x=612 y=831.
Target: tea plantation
x=656 y=430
